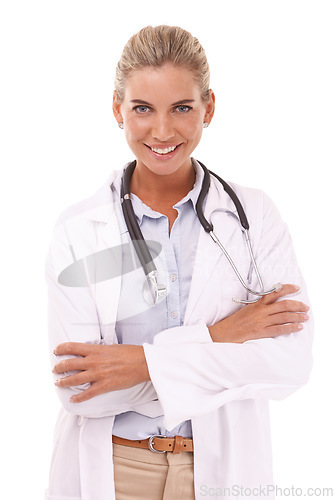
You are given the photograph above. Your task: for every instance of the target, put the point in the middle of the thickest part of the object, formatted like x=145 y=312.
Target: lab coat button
x=173 y=277
x=173 y=314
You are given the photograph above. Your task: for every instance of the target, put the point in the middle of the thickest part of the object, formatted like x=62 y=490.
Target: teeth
x=164 y=151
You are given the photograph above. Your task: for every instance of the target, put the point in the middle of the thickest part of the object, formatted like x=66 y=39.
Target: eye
x=141 y=109
x=183 y=108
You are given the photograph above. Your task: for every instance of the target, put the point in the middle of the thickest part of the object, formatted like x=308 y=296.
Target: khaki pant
x=143 y=475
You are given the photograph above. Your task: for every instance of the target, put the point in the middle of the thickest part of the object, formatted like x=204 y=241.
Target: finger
x=86 y=395
x=76 y=348
x=277 y=330
x=287 y=317
x=74 y=380
x=288 y=305
x=69 y=365
x=286 y=289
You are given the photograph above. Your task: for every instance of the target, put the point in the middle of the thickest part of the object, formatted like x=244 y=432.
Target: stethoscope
x=153 y=289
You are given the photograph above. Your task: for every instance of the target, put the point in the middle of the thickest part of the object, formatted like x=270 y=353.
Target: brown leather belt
x=158 y=444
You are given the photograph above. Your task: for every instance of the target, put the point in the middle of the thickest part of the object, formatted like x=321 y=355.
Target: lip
x=162 y=146
x=166 y=156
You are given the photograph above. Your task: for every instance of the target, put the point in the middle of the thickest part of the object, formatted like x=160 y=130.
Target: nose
x=162 y=128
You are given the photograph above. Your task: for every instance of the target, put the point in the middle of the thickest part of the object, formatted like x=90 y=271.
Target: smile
x=163 y=151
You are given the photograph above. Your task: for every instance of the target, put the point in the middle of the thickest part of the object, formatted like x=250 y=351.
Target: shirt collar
x=195 y=191
x=141 y=209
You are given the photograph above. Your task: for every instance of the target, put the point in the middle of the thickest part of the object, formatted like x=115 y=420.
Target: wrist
x=223 y=331
x=215 y=332
x=143 y=372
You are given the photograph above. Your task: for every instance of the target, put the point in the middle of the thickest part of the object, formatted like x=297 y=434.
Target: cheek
x=136 y=129
x=193 y=124
x=193 y=130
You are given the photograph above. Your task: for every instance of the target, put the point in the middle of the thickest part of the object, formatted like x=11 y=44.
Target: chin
x=165 y=167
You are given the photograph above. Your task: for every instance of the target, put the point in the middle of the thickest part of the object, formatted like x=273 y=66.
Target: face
x=163 y=115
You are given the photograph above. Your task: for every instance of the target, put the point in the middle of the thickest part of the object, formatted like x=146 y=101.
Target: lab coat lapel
x=221 y=211
x=107 y=291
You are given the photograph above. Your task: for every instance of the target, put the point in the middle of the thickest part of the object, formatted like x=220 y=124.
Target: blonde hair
x=155 y=46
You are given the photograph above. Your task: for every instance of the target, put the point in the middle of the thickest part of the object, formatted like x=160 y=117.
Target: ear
x=210 y=107
x=116 y=107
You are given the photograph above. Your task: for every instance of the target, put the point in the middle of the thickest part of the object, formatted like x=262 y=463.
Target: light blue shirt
x=138 y=323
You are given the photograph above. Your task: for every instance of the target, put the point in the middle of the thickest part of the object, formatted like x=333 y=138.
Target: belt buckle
x=150 y=443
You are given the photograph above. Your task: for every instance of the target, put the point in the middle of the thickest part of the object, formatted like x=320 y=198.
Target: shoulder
x=249 y=195
x=75 y=226
x=254 y=200
x=90 y=206
x=79 y=217
x=260 y=210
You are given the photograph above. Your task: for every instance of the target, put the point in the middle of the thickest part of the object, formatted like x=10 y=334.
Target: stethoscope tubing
x=235 y=269
x=136 y=235
x=208 y=227
x=144 y=254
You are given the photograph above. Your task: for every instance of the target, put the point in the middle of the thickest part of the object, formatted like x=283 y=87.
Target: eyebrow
x=178 y=103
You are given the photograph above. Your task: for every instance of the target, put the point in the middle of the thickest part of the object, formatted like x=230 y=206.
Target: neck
x=155 y=189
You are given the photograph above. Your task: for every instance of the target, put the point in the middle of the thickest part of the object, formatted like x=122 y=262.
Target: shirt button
x=173 y=277
x=173 y=314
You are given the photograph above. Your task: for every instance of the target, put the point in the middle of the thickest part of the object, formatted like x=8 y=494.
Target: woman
x=196 y=366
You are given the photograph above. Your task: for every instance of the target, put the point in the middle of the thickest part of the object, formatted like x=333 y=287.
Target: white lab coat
x=223 y=388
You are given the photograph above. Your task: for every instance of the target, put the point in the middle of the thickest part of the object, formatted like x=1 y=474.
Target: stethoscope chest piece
x=153 y=291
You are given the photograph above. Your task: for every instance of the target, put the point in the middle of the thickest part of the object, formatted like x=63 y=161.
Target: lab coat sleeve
x=193 y=378
x=72 y=317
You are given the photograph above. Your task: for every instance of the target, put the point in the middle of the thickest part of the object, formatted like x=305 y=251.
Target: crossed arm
x=114 y=367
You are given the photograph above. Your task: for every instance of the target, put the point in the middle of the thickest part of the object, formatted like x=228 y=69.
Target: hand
x=106 y=367
x=264 y=319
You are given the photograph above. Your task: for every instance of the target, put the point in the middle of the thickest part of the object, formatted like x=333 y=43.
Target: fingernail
x=305 y=316
x=300 y=327
x=297 y=288
x=57 y=382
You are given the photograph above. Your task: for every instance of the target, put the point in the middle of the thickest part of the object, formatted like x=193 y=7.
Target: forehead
x=169 y=82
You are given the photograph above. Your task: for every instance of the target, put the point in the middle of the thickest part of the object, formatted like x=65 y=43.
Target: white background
x=272 y=72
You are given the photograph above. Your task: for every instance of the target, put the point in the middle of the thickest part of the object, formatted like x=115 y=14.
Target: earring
x=120 y=124
x=205 y=125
